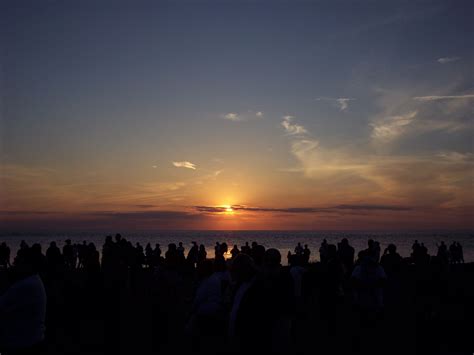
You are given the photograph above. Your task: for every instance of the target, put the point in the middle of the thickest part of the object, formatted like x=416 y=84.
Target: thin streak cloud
x=446 y=60
x=445 y=97
x=331 y=209
x=241 y=117
x=184 y=164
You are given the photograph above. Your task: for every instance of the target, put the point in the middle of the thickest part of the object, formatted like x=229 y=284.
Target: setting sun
x=228 y=209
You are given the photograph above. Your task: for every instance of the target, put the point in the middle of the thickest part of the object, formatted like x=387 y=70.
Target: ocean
x=284 y=241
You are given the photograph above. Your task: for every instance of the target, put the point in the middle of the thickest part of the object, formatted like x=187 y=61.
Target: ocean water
x=284 y=241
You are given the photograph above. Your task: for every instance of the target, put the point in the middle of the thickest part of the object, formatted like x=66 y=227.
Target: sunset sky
x=321 y=115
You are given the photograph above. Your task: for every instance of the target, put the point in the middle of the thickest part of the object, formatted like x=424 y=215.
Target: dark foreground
x=118 y=309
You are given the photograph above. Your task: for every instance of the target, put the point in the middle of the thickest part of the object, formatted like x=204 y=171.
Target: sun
x=228 y=209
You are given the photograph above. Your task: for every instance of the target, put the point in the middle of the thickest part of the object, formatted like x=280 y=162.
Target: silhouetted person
x=139 y=255
x=331 y=287
x=82 y=253
x=246 y=248
x=180 y=251
x=156 y=254
x=391 y=261
x=235 y=251
x=419 y=253
x=289 y=257
x=37 y=258
x=193 y=254
x=172 y=256
x=242 y=329
x=276 y=286
x=23 y=309
x=4 y=255
x=297 y=272
x=92 y=263
x=368 y=279
x=460 y=253
x=346 y=254
x=298 y=249
x=148 y=255
x=218 y=251
x=209 y=312
x=306 y=254
x=260 y=317
x=224 y=248
x=202 y=253
x=22 y=251
x=456 y=253
x=257 y=253
x=54 y=258
x=443 y=253
x=323 y=251
x=69 y=255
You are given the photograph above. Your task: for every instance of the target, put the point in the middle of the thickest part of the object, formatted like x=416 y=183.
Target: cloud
x=456 y=157
x=373 y=207
x=153 y=215
x=439 y=125
x=184 y=164
x=390 y=128
x=232 y=116
x=444 y=97
x=26 y=212
x=434 y=114
x=342 y=102
x=297 y=210
x=292 y=128
x=303 y=146
x=34 y=221
x=154 y=166
x=445 y=60
x=243 y=116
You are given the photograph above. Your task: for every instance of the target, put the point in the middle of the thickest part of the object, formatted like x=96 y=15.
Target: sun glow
x=228 y=209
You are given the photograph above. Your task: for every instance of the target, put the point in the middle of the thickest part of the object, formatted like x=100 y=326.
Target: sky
x=311 y=115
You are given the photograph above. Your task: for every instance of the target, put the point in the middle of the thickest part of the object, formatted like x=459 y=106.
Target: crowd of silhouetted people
x=240 y=298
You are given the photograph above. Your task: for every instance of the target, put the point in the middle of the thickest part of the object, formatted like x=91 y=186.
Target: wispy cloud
x=242 y=116
x=184 y=164
x=342 y=102
x=445 y=60
x=232 y=116
x=373 y=207
x=443 y=97
x=389 y=128
x=296 y=210
x=456 y=157
x=434 y=113
x=292 y=128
